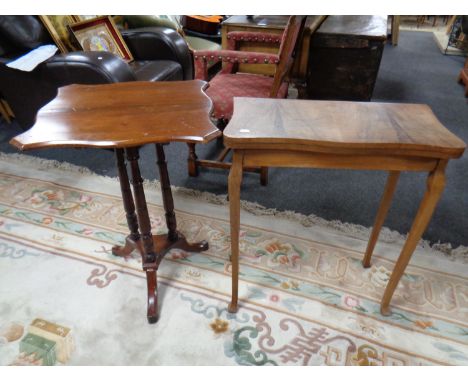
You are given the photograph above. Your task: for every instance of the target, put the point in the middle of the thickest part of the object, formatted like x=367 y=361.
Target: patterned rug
x=304 y=297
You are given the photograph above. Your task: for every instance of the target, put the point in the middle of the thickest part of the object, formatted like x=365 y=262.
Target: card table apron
x=341 y=135
x=124 y=117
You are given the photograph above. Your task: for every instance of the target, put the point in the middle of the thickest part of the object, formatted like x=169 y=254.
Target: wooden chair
x=230 y=83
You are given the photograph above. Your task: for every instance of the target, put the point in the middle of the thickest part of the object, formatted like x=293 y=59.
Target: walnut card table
x=124 y=117
x=341 y=135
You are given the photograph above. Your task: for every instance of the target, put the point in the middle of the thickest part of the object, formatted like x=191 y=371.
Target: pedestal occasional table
x=124 y=117
x=341 y=135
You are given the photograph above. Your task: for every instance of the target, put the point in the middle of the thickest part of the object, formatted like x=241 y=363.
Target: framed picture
x=59 y=31
x=101 y=34
x=85 y=17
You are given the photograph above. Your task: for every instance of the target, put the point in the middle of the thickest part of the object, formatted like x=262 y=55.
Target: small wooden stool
x=341 y=135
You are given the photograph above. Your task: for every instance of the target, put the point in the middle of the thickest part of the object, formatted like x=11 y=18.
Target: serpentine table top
x=341 y=127
x=346 y=135
x=124 y=116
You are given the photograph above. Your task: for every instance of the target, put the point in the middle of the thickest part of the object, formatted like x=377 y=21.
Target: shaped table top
x=340 y=127
x=125 y=114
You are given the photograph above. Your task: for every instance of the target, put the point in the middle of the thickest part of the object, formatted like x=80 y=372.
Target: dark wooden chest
x=344 y=57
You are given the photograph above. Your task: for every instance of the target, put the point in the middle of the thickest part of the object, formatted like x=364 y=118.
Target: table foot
x=151 y=280
x=232 y=307
x=161 y=245
x=366 y=264
x=126 y=249
x=191 y=247
x=385 y=311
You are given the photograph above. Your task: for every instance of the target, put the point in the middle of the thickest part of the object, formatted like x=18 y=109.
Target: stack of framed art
x=88 y=33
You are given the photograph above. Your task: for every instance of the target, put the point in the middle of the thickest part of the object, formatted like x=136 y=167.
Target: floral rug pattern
x=302 y=301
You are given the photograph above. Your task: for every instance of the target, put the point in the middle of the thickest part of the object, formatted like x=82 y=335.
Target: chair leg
x=192 y=160
x=264 y=176
x=194 y=163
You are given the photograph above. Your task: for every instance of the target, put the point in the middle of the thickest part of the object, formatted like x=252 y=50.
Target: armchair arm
x=85 y=68
x=159 y=43
x=232 y=57
x=27 y=92
x=267 y=38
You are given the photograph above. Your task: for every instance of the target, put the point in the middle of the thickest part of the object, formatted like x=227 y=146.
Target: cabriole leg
x=435 y=186
x=390 y=187
x=235 y=180
x=150 y=263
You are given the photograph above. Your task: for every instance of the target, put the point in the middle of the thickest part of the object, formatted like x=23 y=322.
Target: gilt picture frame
x=101 y=34
x=58 y=28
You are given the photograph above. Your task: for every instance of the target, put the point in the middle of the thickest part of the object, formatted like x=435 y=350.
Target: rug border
x=351 y=230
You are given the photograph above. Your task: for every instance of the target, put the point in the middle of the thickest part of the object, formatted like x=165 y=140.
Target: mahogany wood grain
x=151 y=247
x=346 y=135
x=126 y=114
x=334 y=126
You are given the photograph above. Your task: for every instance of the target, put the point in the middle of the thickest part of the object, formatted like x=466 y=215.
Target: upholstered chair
x=230 y=83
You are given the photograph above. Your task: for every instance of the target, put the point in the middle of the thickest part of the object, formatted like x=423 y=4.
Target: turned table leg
x=435 y=186
x=235 y=180
x=150 y=261
x=129 y=207
x=168 y=202
x=390 y=187
x=151 y=247
x=192 y=160
x=173 y=239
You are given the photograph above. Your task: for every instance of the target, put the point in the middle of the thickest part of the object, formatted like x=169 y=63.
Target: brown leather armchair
x=160 y=54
